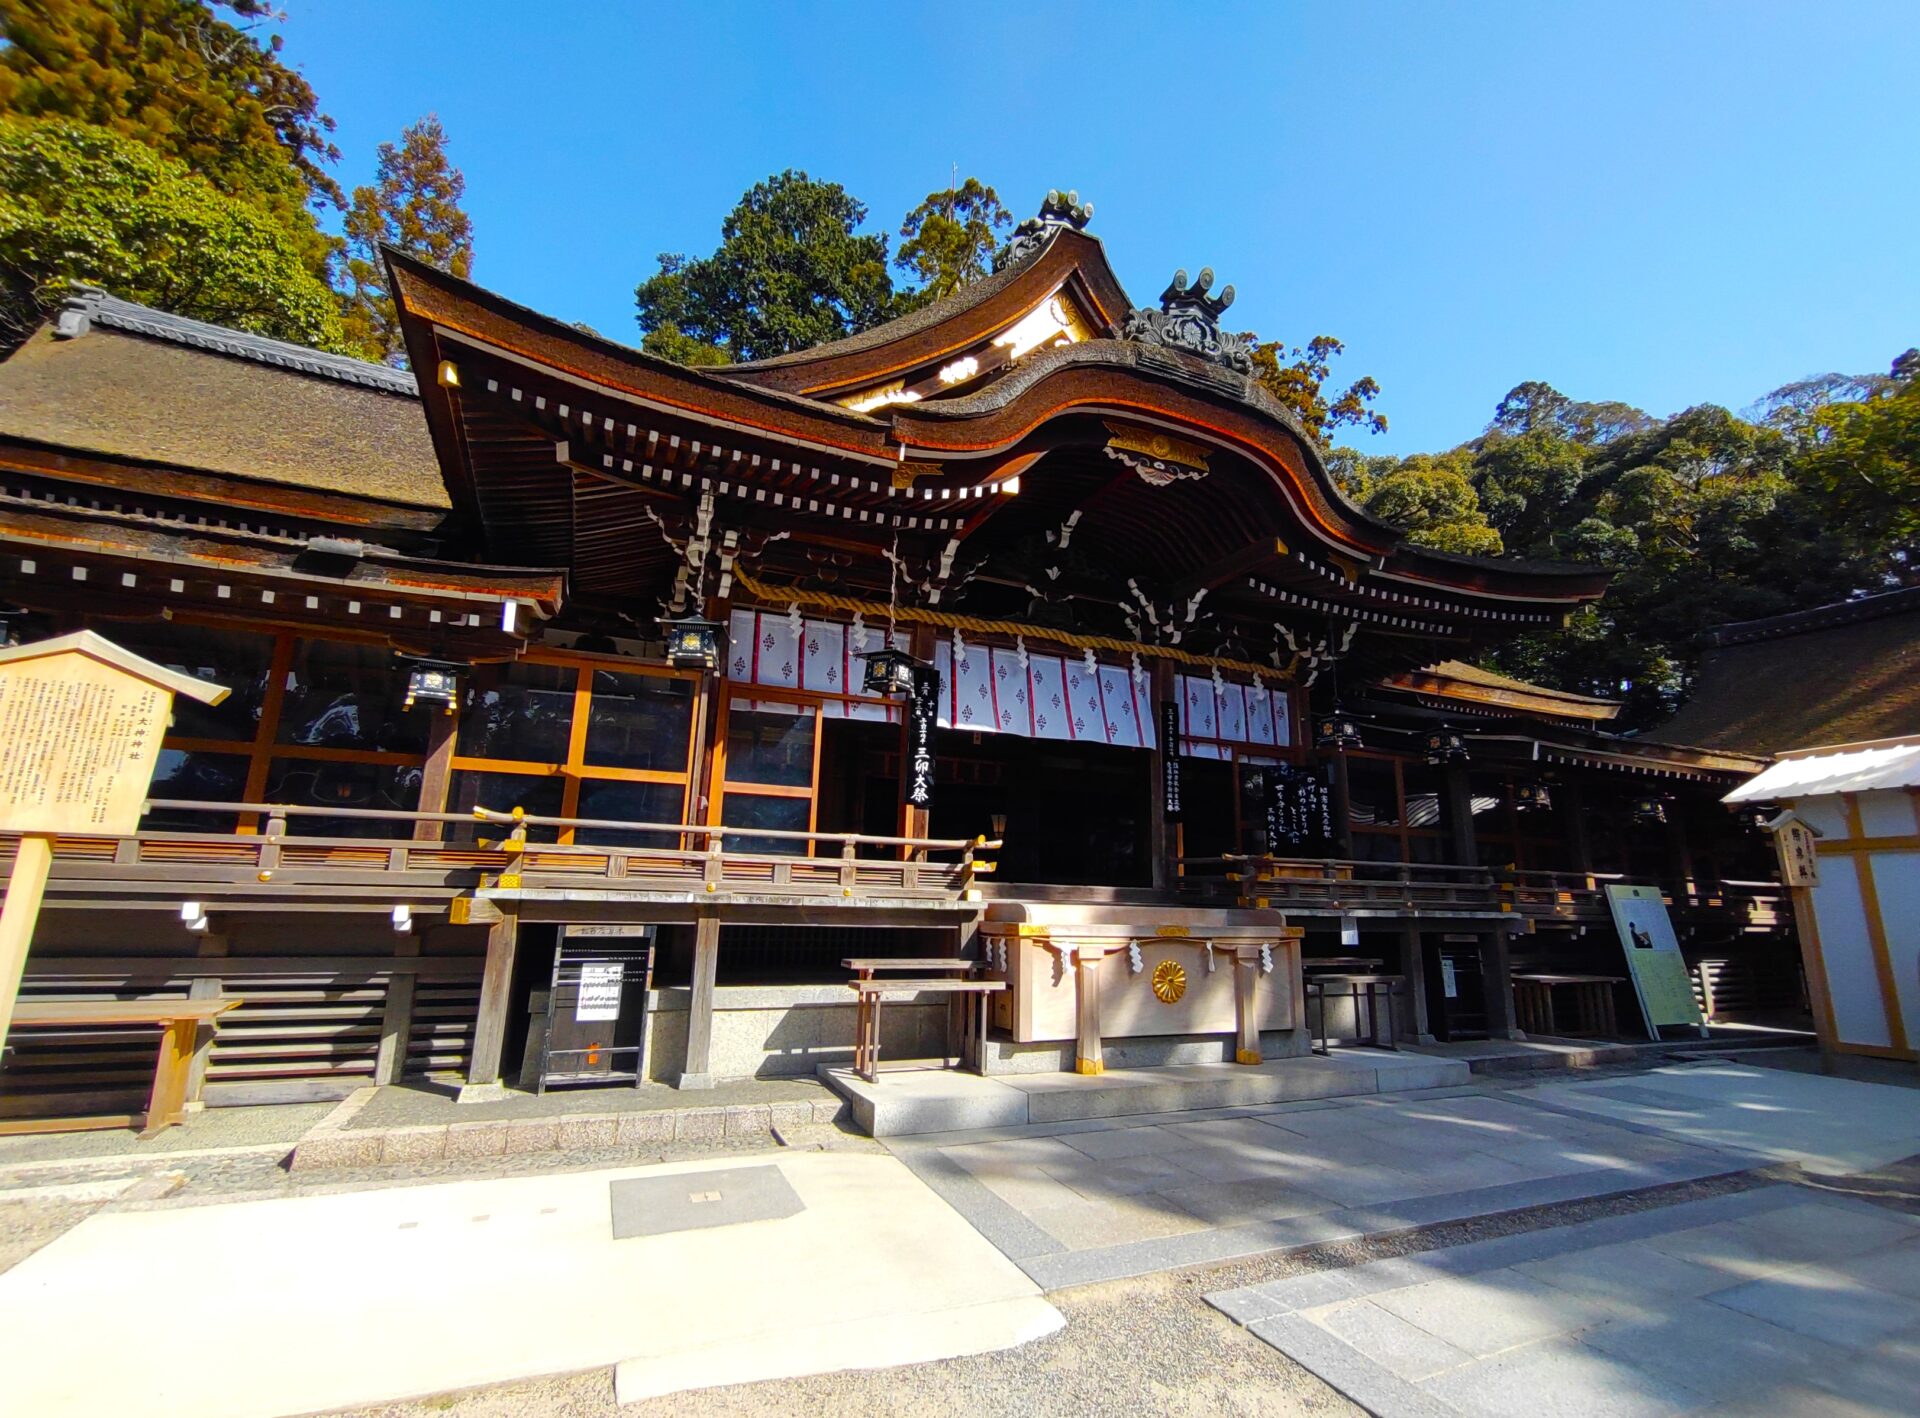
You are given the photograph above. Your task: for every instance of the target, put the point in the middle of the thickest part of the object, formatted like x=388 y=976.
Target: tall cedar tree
x=195 y=80
x=85 y=205
x=414 y=204
x=789 y=273
x=949 y=239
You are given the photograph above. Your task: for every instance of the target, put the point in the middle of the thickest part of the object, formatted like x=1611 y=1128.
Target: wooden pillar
x=1413 y=964
x=1246 y=1011
x=396 y=1025
x=32 y=860
x=1459 y=798
x=1679 y=850
x=1159 y=831
x=437 y=777
x=490 y=1029
x=1342 y=807
x=1572 y=803
x=697 y=1072
x=1496 y=978
x=1088 y=1057
x=203 y=987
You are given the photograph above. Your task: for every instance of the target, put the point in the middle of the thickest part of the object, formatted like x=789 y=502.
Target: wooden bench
x=1351 y=985
x=178 y=1022
x=1592 y=1004
x=969 y=1021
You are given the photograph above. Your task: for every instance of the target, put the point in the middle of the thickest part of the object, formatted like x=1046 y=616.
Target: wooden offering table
x=1593 y=1015
x=178 y=1022
x=966 y=1024
x=1091 y=971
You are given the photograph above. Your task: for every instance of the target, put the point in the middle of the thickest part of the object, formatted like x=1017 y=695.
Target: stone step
x=910 y=1100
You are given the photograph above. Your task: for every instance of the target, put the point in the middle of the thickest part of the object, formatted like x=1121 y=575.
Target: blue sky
x=1666 y=203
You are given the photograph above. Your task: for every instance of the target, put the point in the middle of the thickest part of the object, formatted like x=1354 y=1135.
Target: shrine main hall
x=1025 y=636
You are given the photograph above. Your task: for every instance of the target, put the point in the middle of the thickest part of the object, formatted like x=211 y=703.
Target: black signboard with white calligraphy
x=1170 y=758
x=923 y=709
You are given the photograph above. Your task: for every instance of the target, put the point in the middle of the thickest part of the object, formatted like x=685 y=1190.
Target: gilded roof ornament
x=1189 y=320
x=1061 y=209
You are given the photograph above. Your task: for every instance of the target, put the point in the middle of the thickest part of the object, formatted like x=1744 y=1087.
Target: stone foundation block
x=422 y=1144
x=585 y=1133
x=699 y=1125
x=531 y=1135
x=789 y=1115
x=337 y=1149
x=644 y=1129
x=467 y=1140
x=748 y=1122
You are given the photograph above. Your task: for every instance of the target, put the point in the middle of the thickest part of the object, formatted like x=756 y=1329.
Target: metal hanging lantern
x=1650 y=809
x=889 y=672
x=1338 y=731
x=1444 y=746
x=1532 y=797
x=693 y=643
x=433 y=683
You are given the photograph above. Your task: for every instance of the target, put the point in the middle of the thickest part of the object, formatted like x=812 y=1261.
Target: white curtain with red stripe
x=997 y=690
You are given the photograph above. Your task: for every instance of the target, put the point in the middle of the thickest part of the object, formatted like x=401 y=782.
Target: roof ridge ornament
x=1060 y=210
x=1189 y=320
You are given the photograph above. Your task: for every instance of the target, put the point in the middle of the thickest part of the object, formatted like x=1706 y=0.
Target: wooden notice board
x=81 y=722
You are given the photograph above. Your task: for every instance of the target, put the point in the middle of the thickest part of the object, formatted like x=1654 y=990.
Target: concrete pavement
x=266 y=1308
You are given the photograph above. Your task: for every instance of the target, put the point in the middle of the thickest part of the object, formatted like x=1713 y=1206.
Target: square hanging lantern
x=1338 y=731
x=434 y=684
x=1650 y=809
x=693 y=643
x=1532 y=797
x=889 y=672
x=1445 y=746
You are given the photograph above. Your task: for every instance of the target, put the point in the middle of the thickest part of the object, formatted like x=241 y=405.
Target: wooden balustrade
x=340 y=870
x=1325 y=885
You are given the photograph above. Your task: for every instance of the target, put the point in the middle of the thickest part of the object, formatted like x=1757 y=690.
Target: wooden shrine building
x=1157 y=663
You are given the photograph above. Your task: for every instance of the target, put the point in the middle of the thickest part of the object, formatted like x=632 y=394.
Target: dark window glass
x=503 y=792
x=769 y=747
x=203 y=777
x=1376 y=846
x=639 y=721
x=629 y=802
x=231 y=658
x=1371 y=790
x=755 y=810
x=341 y=695
x=519 y=711
x=301 y=782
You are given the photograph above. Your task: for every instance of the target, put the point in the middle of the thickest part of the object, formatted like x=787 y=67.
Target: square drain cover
x=654 y=1206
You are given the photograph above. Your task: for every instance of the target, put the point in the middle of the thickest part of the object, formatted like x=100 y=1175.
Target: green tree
x=949 y=239
x=1862 y=458
x=81 y=204
x=790 y=273
x=1432 y=497
x=209 y=91
x=1297 y=378
x=413 y=204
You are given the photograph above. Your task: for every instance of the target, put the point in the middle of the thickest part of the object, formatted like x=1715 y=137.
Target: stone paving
x=1776 y=1300
x=1096 y=1200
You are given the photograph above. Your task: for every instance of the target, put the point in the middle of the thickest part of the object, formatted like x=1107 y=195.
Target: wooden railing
x=1337 y=884
x=363 y=873
x=1327 y=884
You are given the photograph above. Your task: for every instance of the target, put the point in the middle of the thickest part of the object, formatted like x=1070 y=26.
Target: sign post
x=81 y=722
x=1659 y=970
